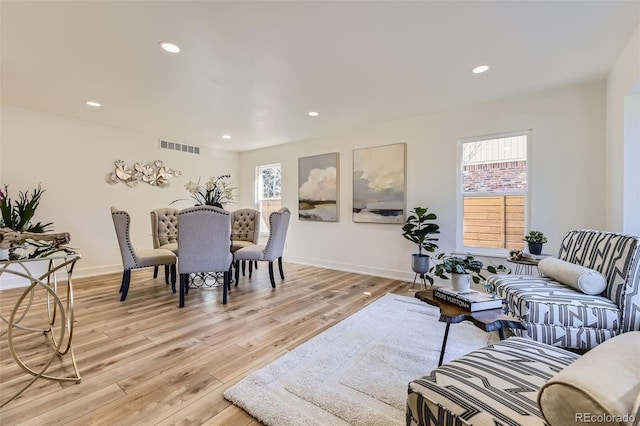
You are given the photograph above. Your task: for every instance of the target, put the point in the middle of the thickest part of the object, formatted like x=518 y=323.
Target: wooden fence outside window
x=494 y=221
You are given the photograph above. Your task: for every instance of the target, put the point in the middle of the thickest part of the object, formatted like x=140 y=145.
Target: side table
x=489 y=320
x=59 y=314
x=526 y=266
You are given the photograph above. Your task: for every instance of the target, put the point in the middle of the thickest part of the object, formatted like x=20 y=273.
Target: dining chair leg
x=244 y=264
x=183 y=279
x=250 y=267
x=155 y=271
x=280 y=267
x=225 y=285
x=255 y=264
x=166 y=274
x=237 y=266
x=273 y=282
x=173 y=278
x=126 y=279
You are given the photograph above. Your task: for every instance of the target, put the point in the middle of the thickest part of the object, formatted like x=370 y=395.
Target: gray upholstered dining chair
x=245 y=231
x=164 y=233
x=204 y=245
x=278 y=224
x=132 y=258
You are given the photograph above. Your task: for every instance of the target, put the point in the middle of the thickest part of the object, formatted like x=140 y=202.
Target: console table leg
x=444 y=343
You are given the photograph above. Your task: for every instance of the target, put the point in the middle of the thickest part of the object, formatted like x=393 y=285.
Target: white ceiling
x=254 y=69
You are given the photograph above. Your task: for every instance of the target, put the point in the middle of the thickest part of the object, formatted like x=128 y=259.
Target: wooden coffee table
x=489 y=320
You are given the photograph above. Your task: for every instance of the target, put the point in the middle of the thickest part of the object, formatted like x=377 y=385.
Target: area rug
x=356 y=372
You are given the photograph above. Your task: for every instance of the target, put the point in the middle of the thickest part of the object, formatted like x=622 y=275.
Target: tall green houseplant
x=418 y=229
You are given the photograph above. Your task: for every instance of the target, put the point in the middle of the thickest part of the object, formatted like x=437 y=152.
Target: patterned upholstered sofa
x=559 y=315
x=520 y=381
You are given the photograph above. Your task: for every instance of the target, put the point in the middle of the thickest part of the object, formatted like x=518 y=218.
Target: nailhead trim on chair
x=128 y=239
x=279 y=213
x=195 y=209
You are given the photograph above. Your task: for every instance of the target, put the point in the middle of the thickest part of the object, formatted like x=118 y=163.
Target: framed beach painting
x=318 y=188
x=379 y=184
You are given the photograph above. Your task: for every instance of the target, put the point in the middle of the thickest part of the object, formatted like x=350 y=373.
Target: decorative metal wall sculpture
x=154 y=173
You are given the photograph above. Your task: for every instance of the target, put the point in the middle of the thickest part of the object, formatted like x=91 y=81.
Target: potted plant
x=215 y=192
x=417 y=229
x=19 y=235
x=535 y=240
x=17 y=214
x=496 y=270
x=462 y=270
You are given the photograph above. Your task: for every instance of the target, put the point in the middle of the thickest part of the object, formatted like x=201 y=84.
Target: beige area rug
x=356 y=372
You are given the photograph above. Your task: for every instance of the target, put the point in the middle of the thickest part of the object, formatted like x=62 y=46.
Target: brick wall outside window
x=490 y=177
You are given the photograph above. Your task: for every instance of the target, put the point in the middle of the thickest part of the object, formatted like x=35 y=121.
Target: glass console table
x=44 y=293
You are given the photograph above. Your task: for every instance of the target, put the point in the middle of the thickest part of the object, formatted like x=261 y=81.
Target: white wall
x=568 y=179
x=631 y=182
x=623 y=152
x=71 y=158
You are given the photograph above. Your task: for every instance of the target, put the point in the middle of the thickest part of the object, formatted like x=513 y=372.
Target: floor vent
x=179 y=147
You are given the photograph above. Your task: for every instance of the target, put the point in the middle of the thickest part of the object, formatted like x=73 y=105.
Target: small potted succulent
x=417 y=228
x=462 y=270
x=535 y=240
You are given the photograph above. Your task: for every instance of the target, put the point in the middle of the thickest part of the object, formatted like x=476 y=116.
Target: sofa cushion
x=566 y=337
x=544 y=301
x=575 y=276
x=497 y=384
x=610 y=388
x=173 y=247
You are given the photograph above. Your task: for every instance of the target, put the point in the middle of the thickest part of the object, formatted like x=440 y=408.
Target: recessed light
x=313 y=114
x=480 y=69
x=169 y=47
x=226 y=137
x=93 y=104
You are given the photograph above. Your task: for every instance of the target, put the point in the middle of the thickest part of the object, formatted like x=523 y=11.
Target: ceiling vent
x=179 y=147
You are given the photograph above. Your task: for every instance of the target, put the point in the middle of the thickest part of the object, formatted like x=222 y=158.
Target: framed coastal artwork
x=318 y=188
x=379 y=184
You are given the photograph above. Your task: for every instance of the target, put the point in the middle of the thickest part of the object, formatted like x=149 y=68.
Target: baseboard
x=348 y=267
x=9 y=281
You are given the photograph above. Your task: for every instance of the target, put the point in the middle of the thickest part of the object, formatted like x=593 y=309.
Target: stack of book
x=468 y=299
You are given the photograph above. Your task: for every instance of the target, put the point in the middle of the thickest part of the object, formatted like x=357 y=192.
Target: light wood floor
x=145 y=361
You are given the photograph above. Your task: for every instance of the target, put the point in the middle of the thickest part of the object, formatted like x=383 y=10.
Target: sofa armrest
x=497 y=384
x=617 y=257
x=602 y=384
